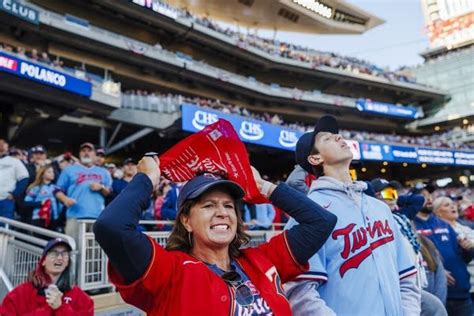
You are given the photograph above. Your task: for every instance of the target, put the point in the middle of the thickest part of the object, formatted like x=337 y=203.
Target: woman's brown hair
x=428 y=251
x=180 y=239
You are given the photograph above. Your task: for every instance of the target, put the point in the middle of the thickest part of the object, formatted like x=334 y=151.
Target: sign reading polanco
x=42 y=74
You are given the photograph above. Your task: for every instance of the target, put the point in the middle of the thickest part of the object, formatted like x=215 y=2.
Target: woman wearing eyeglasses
x=203 y=270
x=49 y=289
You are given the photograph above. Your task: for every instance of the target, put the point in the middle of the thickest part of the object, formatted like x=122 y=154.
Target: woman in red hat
x=49 y=289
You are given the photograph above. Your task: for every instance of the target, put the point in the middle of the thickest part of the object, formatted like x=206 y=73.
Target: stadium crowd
x=296 y=52
x=162 y=102
x=54 y=192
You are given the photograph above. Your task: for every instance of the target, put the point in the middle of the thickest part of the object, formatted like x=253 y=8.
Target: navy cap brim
x=234 y=189
x=50 y=246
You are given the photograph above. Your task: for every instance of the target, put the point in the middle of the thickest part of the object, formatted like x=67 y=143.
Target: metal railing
x=92 y=272
x=21 y=246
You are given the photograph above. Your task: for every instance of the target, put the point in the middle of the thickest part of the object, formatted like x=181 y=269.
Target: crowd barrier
x=21 y=246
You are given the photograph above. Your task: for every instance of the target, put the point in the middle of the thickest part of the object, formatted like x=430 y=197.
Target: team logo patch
x=362 y=240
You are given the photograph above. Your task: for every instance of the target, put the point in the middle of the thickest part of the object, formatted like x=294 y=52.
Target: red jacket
x=176 y=283
x=24 y=300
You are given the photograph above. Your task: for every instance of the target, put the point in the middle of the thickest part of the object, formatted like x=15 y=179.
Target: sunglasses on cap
x=389 y=193
x=243 y=293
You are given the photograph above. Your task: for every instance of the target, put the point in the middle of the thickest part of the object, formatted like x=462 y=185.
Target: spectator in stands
x=203 y=263
x=118 y=184
x=84 y=187
x=49 y=289
x=264 y=215
x=169 y=208
x=13 y=181
x=445 y=209
x=378 y=262
x=387 y=192
x=445 y=239
x=41 y=197
x=38 y=160
x=100 y=157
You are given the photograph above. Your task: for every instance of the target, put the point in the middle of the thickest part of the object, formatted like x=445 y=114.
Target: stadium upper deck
x=139 y=57
x=305 y=89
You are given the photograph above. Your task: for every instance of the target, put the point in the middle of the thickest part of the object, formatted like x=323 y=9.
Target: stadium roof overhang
x=303 y=16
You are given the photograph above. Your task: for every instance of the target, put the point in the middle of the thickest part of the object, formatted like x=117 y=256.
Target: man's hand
x=465 y=243
x=54 y=297
x=451 y=279
x=68 y=202
x=151 y=167
x=96 y=186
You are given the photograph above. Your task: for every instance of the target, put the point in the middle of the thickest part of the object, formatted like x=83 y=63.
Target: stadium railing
x=92 y=267
x=21 y=246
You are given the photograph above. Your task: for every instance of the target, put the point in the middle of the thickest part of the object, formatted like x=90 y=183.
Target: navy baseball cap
x=53 y=243
x=326 y=123
x=100 y=151
x=378 y=184
x=202 y=183
x=129 y=160
x=38 y=149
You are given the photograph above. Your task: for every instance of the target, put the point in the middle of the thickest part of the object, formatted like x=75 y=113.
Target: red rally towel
x=216 y=149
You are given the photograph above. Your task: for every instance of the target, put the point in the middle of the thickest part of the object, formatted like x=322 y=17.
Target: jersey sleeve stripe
x=300 y=266
x=407 y=272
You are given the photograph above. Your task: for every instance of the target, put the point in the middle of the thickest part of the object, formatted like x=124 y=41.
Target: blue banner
x=408 y=112
x=404 y=154
x=194 y=118
x=435 y=156
x=45 y=75
x=375 y=152
x=20 y=10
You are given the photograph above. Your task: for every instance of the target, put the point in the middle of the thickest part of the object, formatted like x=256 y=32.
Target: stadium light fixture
x=405 y=164
x=364 y=169
x=316 y=7
x=423 y=165
x=465 y=121
x=385 y=163
x=383 y=170
x=436 y=128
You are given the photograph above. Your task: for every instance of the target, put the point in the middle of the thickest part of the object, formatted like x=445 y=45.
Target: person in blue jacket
x=41 y=195
x=455 y=259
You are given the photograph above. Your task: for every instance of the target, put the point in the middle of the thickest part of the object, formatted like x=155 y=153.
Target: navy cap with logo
x=202 y=183
x=38 y=149
x=378 y=184
x=326 y=123
x=53 y=243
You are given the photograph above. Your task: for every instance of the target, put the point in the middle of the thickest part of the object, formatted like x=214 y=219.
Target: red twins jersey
x=25 y=300
x=360 y=266
x=176 y=283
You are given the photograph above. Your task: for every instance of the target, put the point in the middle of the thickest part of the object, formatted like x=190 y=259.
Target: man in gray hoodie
x=363 y=268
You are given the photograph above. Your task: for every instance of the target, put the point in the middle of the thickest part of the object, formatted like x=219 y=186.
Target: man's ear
x=315 y=160
x=185 y=221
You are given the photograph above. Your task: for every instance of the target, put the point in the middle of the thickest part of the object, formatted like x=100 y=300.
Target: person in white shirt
x=13 y=180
